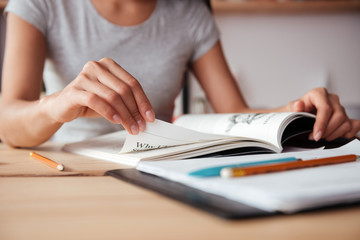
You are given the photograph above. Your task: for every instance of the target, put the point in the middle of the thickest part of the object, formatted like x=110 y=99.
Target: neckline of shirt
x=103 y=20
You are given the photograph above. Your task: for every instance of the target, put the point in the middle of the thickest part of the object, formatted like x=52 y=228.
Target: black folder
x=212 y=203
x=209 y=202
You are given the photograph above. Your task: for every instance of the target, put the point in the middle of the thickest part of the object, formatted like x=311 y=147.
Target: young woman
x=114 y=63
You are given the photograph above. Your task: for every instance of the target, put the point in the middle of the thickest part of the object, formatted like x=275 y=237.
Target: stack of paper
x=287 y=191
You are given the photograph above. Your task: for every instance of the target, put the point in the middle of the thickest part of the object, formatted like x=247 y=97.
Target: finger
x=86 y=102
x=113 y=99
x=298 y=106
x=125 y=92
x=339 y=123
x=118 y=94
x=319 y=100
x=339 y=132
x=355 y=128
x=123 y=99
x=141 y=99
x=100 y=106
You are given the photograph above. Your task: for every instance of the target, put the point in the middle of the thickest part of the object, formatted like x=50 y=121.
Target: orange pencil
x=239 y=172
x=47 y=161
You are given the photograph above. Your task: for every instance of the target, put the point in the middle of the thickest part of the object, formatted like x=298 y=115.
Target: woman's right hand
x=102 y=89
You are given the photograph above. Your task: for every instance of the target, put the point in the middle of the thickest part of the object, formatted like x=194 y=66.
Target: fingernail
x=134 y=129
x=117 y=118
x=142 y=125
x=318 y=136
x=150 y=115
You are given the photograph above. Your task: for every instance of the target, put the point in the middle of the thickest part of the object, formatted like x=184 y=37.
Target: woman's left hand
x=331 y=119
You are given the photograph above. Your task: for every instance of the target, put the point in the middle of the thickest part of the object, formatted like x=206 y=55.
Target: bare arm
x=221 y=89
x=102 y=89
x=22 y=123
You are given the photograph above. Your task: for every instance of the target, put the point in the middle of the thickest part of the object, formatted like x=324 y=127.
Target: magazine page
x=261 y=126
x=160 y=134
x=107 y=147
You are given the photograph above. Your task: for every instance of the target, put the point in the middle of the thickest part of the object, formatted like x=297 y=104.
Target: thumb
x=297 y=106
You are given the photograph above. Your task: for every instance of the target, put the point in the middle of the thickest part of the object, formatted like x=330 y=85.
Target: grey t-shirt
x=156 y=52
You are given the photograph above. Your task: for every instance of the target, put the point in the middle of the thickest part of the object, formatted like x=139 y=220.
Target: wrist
x=45 y=109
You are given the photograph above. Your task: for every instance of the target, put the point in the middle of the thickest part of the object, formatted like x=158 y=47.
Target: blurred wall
x=279 y=57
x=2 y=42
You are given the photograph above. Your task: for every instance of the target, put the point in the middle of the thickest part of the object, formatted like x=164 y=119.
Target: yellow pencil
x=47 y=161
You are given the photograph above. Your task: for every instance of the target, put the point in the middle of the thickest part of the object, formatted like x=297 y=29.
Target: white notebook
x=288 y=191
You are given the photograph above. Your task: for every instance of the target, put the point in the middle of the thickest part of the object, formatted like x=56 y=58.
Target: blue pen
x=215 y=171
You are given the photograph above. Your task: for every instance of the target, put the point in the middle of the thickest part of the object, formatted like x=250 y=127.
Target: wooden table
x=37 y=202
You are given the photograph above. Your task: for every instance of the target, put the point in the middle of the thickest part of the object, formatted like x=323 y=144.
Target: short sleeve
x=202 y=29
x=32 y=11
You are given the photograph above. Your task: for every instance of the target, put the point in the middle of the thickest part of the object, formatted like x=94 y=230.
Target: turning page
x=267 y=127
x=160 y=134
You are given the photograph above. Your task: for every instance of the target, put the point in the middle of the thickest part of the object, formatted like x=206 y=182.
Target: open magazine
x=197 y=135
